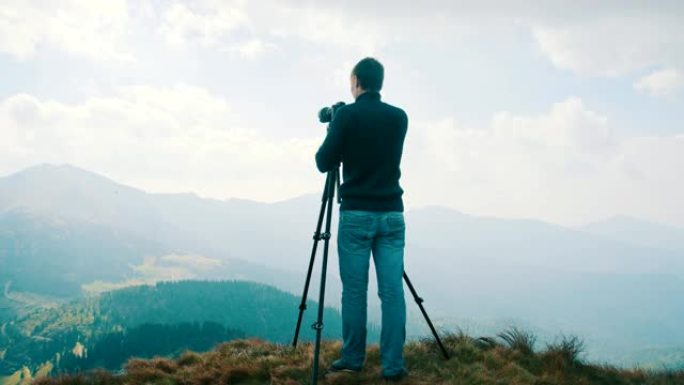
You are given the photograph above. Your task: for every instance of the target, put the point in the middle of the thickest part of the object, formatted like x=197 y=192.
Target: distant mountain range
x=65 y=231
x=638 y=232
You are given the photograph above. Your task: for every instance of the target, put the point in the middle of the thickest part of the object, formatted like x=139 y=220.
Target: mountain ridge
x=72 y=171
x=466 y=267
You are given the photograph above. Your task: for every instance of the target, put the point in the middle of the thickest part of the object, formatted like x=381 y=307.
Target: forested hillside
x=164 y=319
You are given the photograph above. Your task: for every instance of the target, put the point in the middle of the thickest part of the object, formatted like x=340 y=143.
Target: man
x=367 y=137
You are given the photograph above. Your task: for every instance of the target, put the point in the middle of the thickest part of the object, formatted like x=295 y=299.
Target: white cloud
x=252 y=48
x=207 y=24
x=665 y=82
x=331 y=27
x=92 y=28
x=612 y=44
x=616 y=39
x=569 y=124
x=250 y=28
x=564 y=166
x=179 y=138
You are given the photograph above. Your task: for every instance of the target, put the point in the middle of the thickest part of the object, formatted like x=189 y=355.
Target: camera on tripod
x=326 y=114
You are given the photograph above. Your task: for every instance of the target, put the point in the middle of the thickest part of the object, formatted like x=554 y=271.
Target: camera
x=326 y=114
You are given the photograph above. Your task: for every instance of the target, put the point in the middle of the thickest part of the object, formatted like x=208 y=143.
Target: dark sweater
x=367 y=136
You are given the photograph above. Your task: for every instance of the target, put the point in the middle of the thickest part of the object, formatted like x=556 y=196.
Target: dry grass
x=481 y=361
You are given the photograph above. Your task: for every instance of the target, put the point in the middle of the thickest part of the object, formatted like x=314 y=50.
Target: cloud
x=206 y=24
x=95 y=29
x=569 y=125
x=618 y=38
x=325 y=26
x=612 y=44
x=252 y=48
x=565 y=166
x=250 y=29
x=665 y=82
x=175 y=138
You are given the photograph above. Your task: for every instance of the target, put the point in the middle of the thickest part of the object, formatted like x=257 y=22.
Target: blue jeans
x=359 y=234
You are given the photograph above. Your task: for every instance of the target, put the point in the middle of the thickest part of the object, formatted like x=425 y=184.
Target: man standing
x=367 y=137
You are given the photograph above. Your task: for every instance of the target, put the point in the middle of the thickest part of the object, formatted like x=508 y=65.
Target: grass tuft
x=486 y=343
x=519 y=340
x=565 y=353
x=189 y=358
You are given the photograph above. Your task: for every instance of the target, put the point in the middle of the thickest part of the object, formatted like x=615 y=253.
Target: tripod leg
x=317 y=237
x=318 y=326
x=419 y=301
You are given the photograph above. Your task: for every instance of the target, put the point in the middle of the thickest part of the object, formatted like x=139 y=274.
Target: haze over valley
x=70 y=234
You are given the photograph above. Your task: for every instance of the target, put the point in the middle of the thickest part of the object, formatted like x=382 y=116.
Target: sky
x=563 y=111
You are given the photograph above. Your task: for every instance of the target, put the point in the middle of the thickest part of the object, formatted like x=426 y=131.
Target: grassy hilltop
x=508 y=359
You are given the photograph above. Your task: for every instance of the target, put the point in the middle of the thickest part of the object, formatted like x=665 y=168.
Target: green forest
x=144 y=321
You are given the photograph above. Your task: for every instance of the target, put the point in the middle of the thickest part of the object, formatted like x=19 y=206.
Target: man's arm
x=329 y=155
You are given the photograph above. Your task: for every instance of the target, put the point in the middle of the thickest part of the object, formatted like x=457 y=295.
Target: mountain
x=636 y=231
x=65 y=231
x=485 y=273
x=164 y=319
x=531 y=244
x=226 y=229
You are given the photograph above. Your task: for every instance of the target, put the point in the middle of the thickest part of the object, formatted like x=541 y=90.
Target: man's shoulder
x=397 y=111
x=352 y=108
x=343 y=113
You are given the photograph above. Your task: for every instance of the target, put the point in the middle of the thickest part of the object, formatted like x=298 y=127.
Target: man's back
x=368 y=136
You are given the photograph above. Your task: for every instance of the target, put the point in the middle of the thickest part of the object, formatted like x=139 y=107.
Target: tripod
x=332 y=180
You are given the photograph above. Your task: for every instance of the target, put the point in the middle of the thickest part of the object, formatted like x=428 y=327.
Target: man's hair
x=370 y=74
